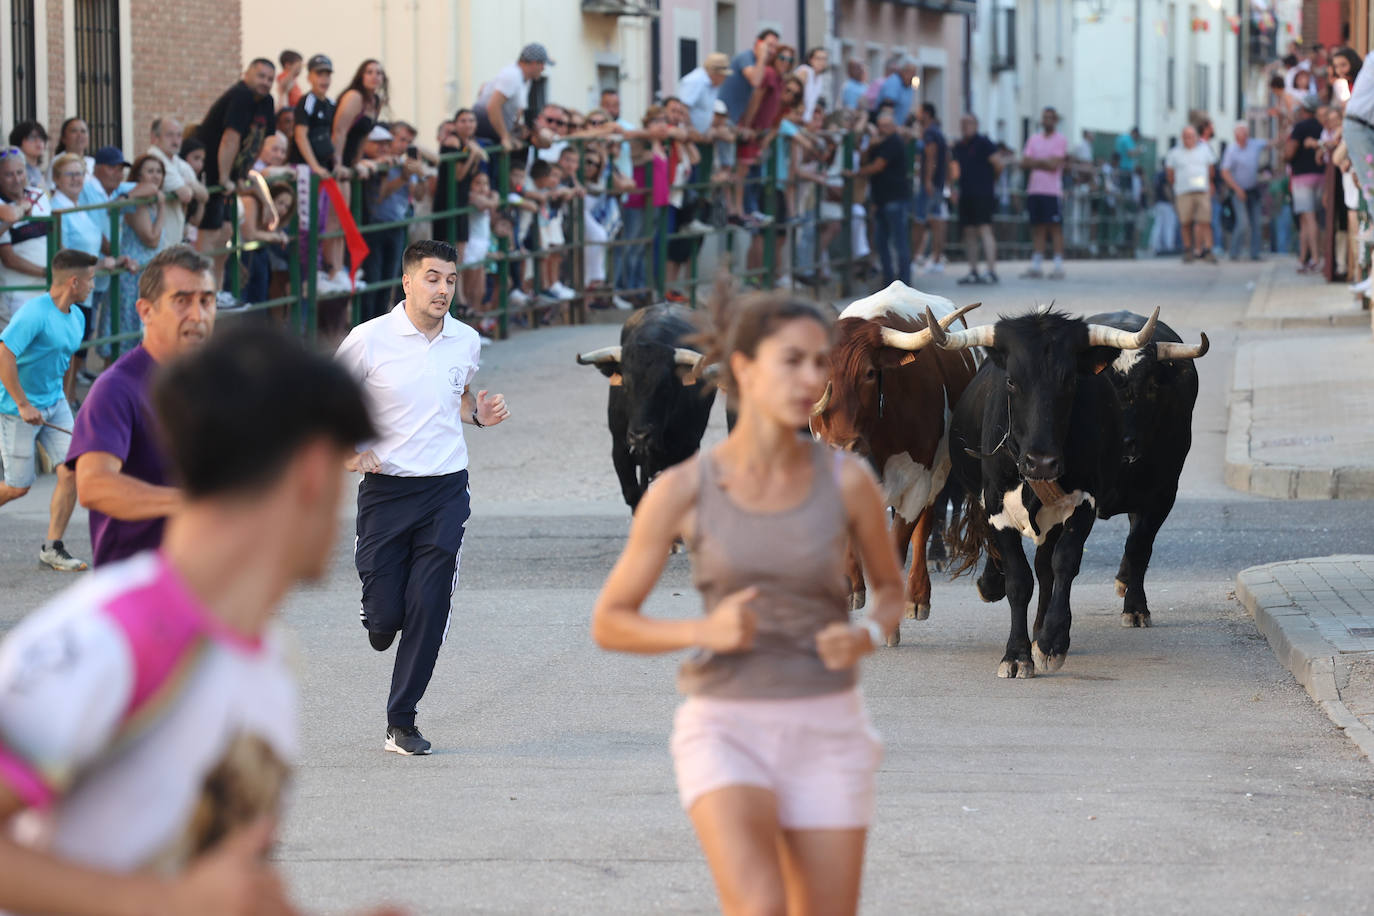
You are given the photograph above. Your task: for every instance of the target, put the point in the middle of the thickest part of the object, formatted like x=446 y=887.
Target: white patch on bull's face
x=900 y=300
x=1127 y=360
x=1015 y=515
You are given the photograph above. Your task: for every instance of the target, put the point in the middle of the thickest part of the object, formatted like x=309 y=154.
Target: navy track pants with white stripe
x=410 y=538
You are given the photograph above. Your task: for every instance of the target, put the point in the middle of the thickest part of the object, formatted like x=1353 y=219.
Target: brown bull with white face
x=889 y=399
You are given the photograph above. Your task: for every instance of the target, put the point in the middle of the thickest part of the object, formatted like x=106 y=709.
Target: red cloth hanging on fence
x=353 y=239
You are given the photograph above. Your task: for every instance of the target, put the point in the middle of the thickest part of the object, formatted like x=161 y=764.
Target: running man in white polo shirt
x=415 y=364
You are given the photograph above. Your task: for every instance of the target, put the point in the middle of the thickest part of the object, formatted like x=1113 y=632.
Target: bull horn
x=684 y=357
x=981 y=336
x=1165 y=349
x=596 y=357
x=824 y=402
x=1100 y=335
x=916 y=340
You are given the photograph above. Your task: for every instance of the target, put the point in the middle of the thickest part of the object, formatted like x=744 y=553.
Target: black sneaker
x=990 y=278
x=406 y=740
x=381 y=641
x=970 y=278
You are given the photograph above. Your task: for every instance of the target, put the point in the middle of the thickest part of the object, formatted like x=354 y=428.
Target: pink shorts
x=817 y=755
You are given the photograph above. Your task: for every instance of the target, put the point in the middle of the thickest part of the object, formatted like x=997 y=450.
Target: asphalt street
x=1177 y=769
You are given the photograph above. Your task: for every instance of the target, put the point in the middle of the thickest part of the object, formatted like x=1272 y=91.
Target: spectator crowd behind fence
x=764 y=161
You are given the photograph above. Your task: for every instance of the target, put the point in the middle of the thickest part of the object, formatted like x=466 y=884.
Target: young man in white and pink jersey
x=147 y=715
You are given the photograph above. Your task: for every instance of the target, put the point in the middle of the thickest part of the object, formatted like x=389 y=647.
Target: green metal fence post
x=503 y=244
x=236 y=244
x=112 y=295
x=355 y=302
x=659 y=239
x=847 y=217
x=770 y=208
x=311 y=280
x=293 y=268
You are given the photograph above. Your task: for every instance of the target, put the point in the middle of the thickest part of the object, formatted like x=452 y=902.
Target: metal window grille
x=1200 y=87
x=96 y=23
x=1003 y=39
x=22 y=53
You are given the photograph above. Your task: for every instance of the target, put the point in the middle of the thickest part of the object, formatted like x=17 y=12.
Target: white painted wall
x=437 y=53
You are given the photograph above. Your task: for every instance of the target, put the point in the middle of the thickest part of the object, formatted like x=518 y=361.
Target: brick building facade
x=118 y=64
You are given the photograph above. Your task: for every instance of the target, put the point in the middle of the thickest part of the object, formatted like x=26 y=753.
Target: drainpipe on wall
x=1139 y=12
x=655 y=55
x=801 y=29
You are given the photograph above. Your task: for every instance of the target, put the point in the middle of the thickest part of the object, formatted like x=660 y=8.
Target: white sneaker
x=918 y=268
x=1363 y=286
x=763 y=219
x=698 y=227
x=518 y=297
x=621 y=303
x=937 y=268
x=563 y=292
x=484 y=340
x=225 y=301
x=340 y=280
x=784 y=281
x=56 y=557
x=324 y=283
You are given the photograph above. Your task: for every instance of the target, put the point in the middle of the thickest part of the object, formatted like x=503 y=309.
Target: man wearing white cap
x=502 y=98
x=698 y=90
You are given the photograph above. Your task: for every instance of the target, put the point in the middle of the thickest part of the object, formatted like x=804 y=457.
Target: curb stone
x=1321 y=669
x=1243 y=472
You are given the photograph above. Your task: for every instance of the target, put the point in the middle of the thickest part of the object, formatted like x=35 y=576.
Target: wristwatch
x=476 y=422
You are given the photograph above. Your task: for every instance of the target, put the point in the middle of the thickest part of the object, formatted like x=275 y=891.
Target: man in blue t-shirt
x=35 y=362
x=929 y=210
x=898 y=90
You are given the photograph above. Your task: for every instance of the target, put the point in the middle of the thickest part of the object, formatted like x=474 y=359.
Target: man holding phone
x=387 y=195
x=24 y=243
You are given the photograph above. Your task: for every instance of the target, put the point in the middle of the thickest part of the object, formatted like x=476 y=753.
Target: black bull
x=1038 y=443
x=657 y=410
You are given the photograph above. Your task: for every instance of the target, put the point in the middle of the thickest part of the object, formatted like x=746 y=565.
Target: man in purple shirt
x=121 y=470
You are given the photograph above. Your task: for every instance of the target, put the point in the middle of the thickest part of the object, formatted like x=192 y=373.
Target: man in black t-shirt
x=890 y=187
x=1303 y=143
x=976 y=166
x=233 y=131
x=313 y=143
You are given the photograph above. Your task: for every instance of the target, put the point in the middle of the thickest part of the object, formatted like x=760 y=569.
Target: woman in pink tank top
x=774 y=754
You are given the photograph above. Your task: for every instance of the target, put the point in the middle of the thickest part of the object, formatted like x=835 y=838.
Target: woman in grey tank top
x=773 y=751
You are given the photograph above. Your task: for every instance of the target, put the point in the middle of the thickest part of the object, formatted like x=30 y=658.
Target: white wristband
x=875 y=631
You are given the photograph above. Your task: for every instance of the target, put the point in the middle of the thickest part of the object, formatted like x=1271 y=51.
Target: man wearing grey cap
x=502 y=98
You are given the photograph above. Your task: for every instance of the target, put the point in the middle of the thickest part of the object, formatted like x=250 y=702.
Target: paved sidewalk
x=1302 y=417
x=1318 y=615
x=1285 y=299
x=1301 y=420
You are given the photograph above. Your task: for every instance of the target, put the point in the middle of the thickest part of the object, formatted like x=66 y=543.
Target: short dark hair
x=289 y=57
x=150 y=283
x=609 y=90
x=929 y=108
x=70 y=259
x=261 y=61
x=23 y=129
x=234 y=412
x=540 y=169
x=427 y=248
x=765 y=33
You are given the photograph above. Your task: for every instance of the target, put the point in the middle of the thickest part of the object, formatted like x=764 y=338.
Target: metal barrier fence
x=1096 y=224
